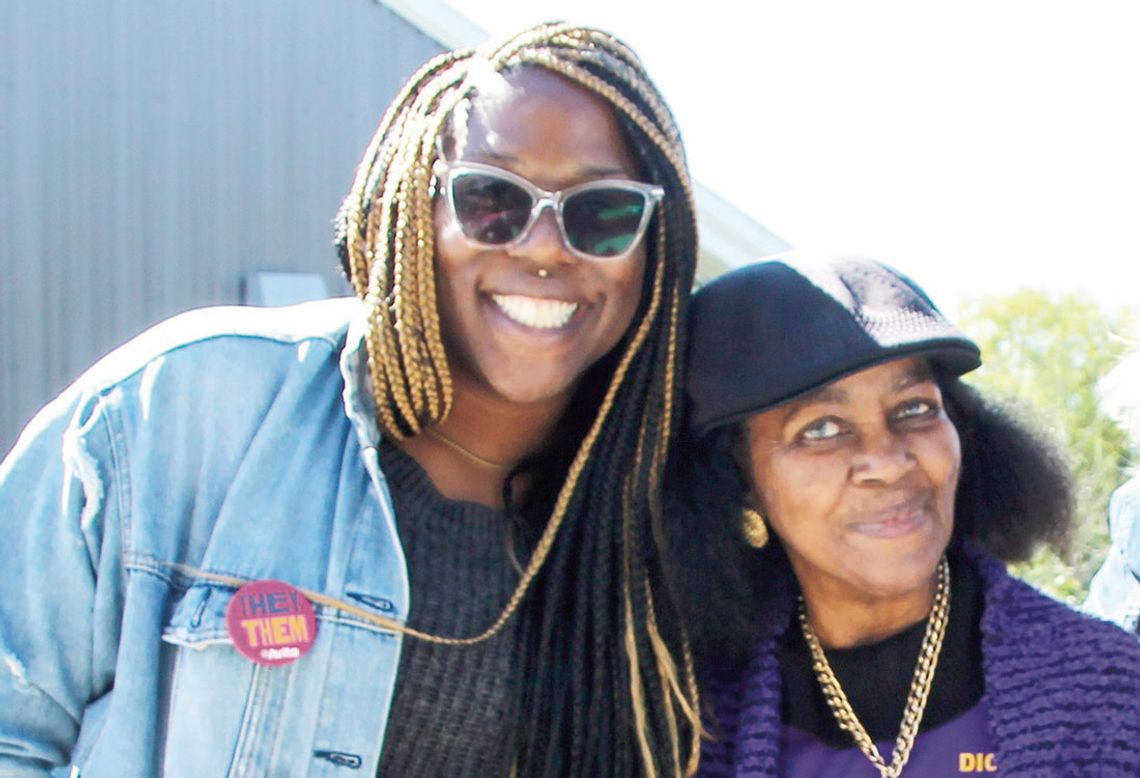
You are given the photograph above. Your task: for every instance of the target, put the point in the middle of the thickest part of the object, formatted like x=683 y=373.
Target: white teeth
x=535 y=312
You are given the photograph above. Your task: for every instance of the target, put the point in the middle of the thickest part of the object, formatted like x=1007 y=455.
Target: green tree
x=1044 y=354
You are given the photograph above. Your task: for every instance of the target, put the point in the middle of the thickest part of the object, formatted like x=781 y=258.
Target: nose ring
x=542 y=273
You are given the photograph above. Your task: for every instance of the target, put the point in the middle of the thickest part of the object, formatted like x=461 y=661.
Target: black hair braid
x=578 y=588
x=582 y=570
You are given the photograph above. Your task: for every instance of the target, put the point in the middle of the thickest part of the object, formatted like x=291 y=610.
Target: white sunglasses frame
x=446 y=170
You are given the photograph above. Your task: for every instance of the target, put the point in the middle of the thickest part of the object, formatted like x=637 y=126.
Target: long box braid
x=610 y=687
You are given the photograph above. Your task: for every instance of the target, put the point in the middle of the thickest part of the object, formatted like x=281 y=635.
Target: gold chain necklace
x=919 y=686
x=466 y=452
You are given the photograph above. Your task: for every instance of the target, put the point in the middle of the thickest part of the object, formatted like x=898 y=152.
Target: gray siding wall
x=152 y=153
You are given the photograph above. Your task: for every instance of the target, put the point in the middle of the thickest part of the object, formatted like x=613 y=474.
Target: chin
x=895 y=577
x=536 y=395
x=531 y=389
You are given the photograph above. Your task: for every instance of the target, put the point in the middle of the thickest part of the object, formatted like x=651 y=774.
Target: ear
x=741 y=453
x=754 y=501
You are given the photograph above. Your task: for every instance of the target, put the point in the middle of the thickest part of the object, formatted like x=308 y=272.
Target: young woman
x=411 y=533
x=876 y=632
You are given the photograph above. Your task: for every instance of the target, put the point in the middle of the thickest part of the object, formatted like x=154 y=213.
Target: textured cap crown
x=770 y=331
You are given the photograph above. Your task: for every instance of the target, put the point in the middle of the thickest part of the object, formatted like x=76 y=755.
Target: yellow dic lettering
x=976 y=763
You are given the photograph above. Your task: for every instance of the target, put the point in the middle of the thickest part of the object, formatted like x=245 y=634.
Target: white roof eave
x=729 y=236
x=439 y=20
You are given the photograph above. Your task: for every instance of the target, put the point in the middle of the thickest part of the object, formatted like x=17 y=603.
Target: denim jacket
x=225 y=443
x=1114 y=592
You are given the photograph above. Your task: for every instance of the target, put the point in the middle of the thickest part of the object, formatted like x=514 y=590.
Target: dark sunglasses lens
x=603 y=222
x=490 y=209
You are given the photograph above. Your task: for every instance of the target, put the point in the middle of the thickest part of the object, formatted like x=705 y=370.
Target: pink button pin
x=271 y=622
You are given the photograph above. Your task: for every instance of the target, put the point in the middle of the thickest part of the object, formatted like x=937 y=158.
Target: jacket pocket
x=224 y=710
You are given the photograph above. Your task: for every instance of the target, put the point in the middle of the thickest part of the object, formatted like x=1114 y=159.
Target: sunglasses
x=495 y=207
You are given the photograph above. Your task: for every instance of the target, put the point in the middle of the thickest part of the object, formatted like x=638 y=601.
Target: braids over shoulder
x=609 y=685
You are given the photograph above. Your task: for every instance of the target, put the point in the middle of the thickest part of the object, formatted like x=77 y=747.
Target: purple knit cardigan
x=1062 y=689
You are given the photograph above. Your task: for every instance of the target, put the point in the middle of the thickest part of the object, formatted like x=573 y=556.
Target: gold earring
x=755 y=528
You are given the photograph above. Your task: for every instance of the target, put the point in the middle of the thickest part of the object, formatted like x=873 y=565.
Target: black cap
x=768 y=332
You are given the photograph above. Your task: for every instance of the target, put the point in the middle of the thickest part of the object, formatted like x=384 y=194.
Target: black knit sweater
x=456 y=709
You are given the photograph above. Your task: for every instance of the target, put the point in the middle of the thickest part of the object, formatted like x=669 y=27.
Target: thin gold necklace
x=919 y=686
x=466 y=452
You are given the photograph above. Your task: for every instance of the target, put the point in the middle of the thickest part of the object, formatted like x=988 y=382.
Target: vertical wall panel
x=153 y=153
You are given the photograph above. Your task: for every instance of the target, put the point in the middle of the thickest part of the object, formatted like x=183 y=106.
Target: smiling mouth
x=537 y=312
x=897 y=520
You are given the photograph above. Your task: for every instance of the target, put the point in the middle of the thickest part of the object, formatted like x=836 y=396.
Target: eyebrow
x=917 y=373
x=824 y=394
x=483 y=150
x=604 y=170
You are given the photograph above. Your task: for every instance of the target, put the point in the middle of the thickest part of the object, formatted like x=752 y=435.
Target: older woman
x=876 y=627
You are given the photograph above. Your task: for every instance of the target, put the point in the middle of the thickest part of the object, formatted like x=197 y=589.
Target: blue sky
x=980 y=146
